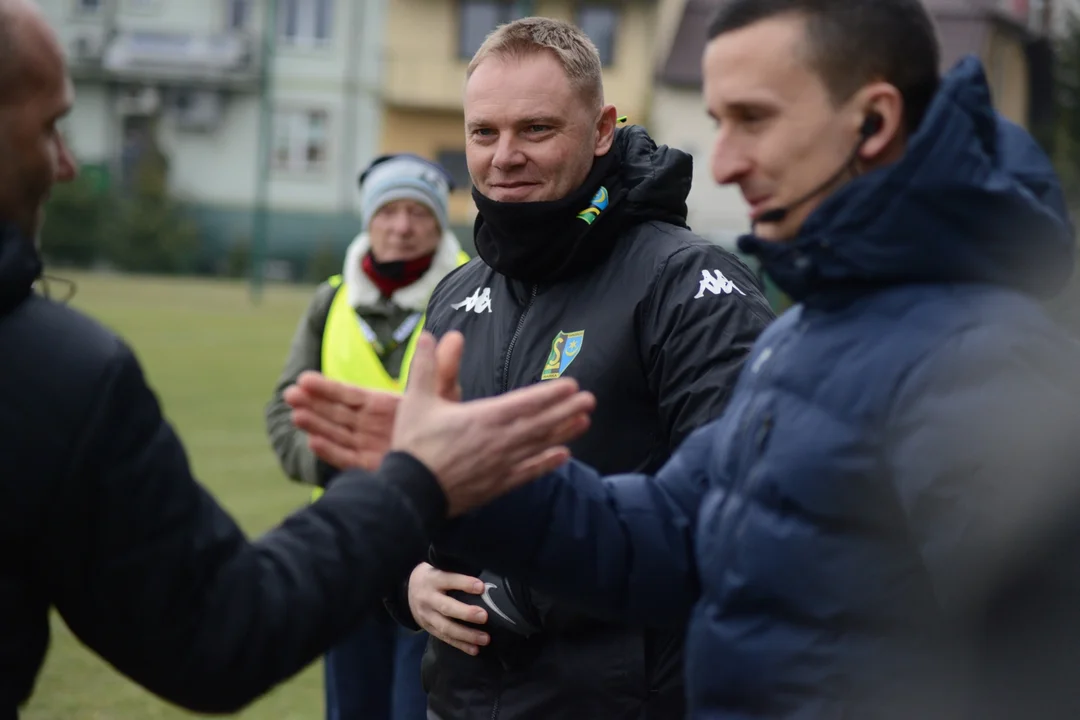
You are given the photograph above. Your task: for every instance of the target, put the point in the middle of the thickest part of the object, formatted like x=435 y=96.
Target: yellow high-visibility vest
x=348 y=355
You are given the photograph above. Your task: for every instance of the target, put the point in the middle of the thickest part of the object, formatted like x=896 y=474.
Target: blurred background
x=220 y=144
x=239 y=126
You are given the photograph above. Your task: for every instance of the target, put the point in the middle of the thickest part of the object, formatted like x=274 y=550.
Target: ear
x=887 y=141
x=605 y=130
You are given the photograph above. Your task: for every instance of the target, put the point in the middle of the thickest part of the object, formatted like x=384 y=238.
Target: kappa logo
x=478 y=302
x=564 y=348
x=716 y=283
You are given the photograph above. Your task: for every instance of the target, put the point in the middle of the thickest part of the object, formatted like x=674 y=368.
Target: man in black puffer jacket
x=587 y=270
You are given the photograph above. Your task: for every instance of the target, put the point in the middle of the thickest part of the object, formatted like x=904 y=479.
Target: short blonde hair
x=532 y=35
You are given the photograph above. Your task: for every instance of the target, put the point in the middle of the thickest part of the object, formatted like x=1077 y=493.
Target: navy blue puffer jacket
x=889 y=439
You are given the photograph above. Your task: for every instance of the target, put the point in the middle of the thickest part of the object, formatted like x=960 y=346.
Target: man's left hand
x=347 y=426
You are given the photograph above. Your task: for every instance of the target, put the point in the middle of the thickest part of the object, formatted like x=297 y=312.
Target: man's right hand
x=350 y=427
x=435 y=611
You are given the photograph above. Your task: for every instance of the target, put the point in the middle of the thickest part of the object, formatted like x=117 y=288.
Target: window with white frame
x=238 y=14
x=455 y=163
x=305 y=22
x=600 y=21
x=477 y=18
x=301 y=140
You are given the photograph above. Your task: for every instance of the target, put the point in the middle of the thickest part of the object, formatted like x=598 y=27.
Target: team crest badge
x=564 y=348
x=598 y=205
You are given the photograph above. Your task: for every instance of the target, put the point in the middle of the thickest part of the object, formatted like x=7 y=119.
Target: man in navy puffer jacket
x=892 y=437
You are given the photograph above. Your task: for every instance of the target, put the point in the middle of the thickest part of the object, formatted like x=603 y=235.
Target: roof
x=682 y=66
x=962 y=26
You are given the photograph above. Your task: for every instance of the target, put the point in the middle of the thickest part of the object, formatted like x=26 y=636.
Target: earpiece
x=871 y=125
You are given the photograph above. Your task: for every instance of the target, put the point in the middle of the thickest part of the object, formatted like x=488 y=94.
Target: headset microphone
x=870 y=127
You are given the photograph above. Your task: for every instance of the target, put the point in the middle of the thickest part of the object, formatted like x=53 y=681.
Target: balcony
x=412 y=80
x=85 y=48
x=224 y=61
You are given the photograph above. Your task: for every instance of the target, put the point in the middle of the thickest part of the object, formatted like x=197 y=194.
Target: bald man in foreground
x=101 y=518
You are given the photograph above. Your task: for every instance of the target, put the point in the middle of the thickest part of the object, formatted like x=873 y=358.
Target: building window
x=88 y=6
x=601 y=23
x=239 y=14
x=478 y=18
x=305 y=22
x=300 y=140
x=453 y=161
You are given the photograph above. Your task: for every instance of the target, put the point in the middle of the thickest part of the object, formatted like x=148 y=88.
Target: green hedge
x=140 y=230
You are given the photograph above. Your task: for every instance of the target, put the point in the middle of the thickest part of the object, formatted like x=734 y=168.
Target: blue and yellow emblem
x=564 y=348
x=599 y=204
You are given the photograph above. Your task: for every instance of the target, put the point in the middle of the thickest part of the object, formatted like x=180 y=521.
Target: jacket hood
x=656 y=179
x=20 y=266
x=973 y=199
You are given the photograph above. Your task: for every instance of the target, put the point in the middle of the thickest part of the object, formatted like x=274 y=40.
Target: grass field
x=213 y=358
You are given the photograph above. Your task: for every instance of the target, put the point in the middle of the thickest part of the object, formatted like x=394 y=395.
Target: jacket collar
x=363 y=293
x=20 y=266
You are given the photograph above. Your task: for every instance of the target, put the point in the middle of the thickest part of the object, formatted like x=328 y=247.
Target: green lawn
x=213 y=358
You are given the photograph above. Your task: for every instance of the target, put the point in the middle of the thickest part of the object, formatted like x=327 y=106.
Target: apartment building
x=249 y=101
x=429 y=44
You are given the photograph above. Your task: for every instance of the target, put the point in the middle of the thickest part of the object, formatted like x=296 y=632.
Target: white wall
x=217 y=167
x=221 y=166
x=342 y=78
x=197 y=16
x=367 y=91
x=200 y=16
x=679 y=120
x=67 y=21
x=1062 y=9
x=316 y=190
x=87 y=127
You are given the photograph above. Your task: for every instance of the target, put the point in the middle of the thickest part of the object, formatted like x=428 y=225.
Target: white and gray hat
x=405 y=176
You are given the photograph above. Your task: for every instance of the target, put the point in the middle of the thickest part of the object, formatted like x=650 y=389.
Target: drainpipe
x=349 y=128
x=260 y=217
x=115 y=119
x=111 y=10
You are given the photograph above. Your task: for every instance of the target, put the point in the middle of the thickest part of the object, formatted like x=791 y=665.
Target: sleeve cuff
x=325 y=473
x=419 y=486
x=397 y=605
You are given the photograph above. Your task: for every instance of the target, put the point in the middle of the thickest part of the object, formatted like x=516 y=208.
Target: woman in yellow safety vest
x=361 y=327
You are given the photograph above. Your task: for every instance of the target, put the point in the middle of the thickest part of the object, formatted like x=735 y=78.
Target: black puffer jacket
x=658 y=330
x=101 y=518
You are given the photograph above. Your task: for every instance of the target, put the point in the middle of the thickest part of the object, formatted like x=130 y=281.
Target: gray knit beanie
x=404 y=177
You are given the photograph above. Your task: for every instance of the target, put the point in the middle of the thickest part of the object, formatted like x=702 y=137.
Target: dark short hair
x=854 y=42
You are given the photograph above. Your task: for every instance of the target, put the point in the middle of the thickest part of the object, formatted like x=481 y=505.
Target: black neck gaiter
x=547 y=241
